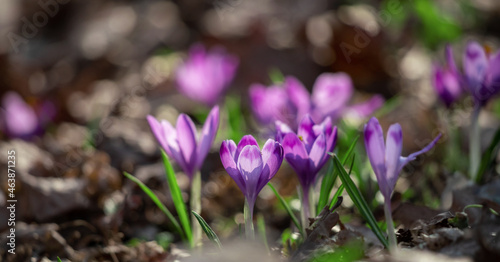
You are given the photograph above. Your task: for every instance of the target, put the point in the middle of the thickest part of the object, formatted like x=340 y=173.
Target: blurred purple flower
x=181 y=143
x=205 y=75
x=250 y=168
x=18 y=119
x=291 y=102
x=385 y=157
x=482 y=72
x=447 y=80
x=306 y=151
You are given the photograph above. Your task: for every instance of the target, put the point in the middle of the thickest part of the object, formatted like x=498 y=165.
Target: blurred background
x=92 y=70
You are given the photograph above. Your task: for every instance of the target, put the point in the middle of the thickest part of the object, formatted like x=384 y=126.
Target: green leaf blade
x=287 y=208
x=207 y=229
x=179 y=204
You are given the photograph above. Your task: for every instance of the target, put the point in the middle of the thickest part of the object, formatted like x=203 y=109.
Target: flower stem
x=305 y=208
x=195 y=204
x=248 y=214
x=475 y=144
x=393 y=244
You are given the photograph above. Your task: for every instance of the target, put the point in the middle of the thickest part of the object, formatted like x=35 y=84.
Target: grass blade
x=329 y=179
x=488 y=157
x=359 y=201
x=207 y=229
x=157 y=201
x=340 y=190
x=179 y=204
x=59 y=260
x=287 y=208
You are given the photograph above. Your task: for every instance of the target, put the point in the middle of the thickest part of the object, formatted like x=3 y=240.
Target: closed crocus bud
x=447 y=80
x=250 y=167
x=205 y=76
x=482 y=73
x=18 y=119
x=182 y=143
x=306 y=151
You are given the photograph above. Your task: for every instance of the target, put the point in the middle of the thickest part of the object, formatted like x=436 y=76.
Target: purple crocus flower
x=330 y=97
x=306 y=151
x=447 y=80
x=250 y=168
x=205 y=75
x=385 y=157
x=18 y=119
x=181 y=143
x=482 y=72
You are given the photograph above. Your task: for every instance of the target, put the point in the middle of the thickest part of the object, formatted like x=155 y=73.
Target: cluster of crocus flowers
x=182 y=143
x=205 y=76
x=330 y=96
x=447 y=80
x=307 y=152
x=20 y=120
x=387 y=162
x=251 y=169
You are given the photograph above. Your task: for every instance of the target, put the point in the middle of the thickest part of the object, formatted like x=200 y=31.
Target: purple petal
x=447 y=85
x=173 y=145
x=272 y=157
x=186 y=135
x=298 y=95
x=366 y=108
x=269 y=104
x=306 y=132
x=281 y=130
x=227 y=151
x=493 y=78
x=20 y=119
x=159 y=133
x=375 y=147
x=325 y=127
x=250 y=166
x=207 y=135
x=450 y=60
x=405 y=160
x=247 y=140
x=317 y=154
x=475 y=64
x=331 y=92
x=394 y=146
x=297 y=156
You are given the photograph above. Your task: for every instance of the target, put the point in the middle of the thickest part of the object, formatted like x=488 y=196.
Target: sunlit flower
x=182 y=143
x=385 y=157
x=205 y=76
x=290 y=102
x=250 y=168
x=306 y=151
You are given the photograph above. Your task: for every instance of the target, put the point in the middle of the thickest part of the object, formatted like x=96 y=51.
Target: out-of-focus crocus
x=387 y=162
x=289 y=104
x=447 y=80
x=251 y=169
x=482 y=72
x=182 y=143
x=205 y=75
x=306 y=151
x=19 y=120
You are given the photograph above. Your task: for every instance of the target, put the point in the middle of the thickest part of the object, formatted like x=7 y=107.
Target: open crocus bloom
x=385 y=158
x=306 y=151
x=181 y=143
x=482 y=72
x=19 y=119
x=330 y=97
x=250 y=168
x=205 y=75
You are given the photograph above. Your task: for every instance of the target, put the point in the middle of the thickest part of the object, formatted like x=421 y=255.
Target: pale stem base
x=195 y=204
x=393 y=244
x=307 y=207
x=475 y=144
x=248 y=214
